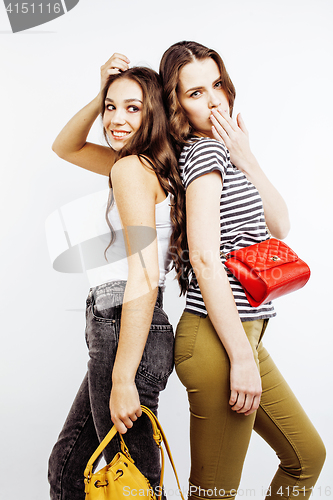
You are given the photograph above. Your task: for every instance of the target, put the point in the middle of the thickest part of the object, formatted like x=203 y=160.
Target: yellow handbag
x=121 y=479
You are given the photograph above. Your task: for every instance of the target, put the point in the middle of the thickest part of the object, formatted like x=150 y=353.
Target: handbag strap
x=159 y=437
x=98 y=451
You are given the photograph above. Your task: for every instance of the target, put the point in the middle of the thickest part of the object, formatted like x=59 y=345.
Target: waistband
x=115 y=292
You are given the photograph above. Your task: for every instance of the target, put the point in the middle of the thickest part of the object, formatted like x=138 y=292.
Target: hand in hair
x=116 y=64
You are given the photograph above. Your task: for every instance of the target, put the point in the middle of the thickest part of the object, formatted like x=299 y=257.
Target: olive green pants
x=220 y=437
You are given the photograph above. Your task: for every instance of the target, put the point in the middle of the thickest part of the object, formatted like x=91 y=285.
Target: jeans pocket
x=101 y=308
x=101 y=331
x=157 y=359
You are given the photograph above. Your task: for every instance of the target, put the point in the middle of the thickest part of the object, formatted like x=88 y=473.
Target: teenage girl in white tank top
x=129 y=336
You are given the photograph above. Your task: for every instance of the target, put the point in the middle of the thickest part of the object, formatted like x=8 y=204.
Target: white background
x=279 y=55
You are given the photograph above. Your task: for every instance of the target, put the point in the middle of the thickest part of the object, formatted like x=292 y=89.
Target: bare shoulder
x=132 y=173
x=134 y=191
x=131 y=165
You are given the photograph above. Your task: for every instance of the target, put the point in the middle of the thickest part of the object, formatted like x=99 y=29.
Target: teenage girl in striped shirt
x=233 y=385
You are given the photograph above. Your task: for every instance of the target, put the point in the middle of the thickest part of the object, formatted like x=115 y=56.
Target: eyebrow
x=193 y=88
x=125 y=100
x=200 y=87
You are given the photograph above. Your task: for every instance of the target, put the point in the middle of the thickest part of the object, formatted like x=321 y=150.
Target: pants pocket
x=157 y=360
x=186 y=335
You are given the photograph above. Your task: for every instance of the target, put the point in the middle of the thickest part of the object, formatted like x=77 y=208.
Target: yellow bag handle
x=159 y=437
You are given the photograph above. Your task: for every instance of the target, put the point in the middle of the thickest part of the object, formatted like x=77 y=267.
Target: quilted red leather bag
x=267 y=270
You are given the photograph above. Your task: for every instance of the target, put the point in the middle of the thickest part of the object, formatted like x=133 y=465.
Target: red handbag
x=267 y=270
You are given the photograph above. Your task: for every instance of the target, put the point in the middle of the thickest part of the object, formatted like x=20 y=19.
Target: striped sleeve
x=204 y=157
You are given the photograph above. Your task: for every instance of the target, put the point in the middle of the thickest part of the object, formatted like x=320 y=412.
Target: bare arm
x=135 y=195
x=236 y=138
x=203 y=230
x=71 y=143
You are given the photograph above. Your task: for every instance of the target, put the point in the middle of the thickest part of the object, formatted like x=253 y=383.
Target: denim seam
x=161 y=327
x=103 y=320
x=161 y=310
x=152 y=378
x=69 y=452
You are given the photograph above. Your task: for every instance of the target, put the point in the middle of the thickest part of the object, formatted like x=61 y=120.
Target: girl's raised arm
x=203 y=232
x=71 y=143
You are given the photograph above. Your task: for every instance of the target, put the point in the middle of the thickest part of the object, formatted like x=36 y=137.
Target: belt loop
x=159 y=300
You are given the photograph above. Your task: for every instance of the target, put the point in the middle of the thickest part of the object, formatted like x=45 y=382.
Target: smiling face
x=199 y=91
x=123 y=111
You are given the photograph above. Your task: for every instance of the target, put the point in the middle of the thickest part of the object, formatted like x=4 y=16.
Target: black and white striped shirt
x=242 y=219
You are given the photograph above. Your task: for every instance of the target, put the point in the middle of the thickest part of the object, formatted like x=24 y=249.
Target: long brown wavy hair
x=173 y=60
x=152 y=142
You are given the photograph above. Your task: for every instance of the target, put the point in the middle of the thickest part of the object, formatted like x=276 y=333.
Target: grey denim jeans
x=89 y=418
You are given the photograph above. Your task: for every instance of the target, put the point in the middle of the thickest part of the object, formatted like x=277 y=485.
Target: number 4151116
x=296 y=491
x=32 y=8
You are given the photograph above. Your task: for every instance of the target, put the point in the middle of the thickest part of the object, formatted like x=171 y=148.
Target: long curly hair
x=173 y=60
x=152 y=142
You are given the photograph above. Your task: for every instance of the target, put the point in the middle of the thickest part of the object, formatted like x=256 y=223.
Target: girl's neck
x=200 y=134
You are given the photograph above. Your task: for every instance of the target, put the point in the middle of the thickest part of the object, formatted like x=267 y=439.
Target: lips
x=119 y=134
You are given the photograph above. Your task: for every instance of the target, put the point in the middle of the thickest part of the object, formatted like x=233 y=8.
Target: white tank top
x=116 y=266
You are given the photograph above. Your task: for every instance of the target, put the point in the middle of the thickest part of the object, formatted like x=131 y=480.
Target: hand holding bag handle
x=159 y=437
